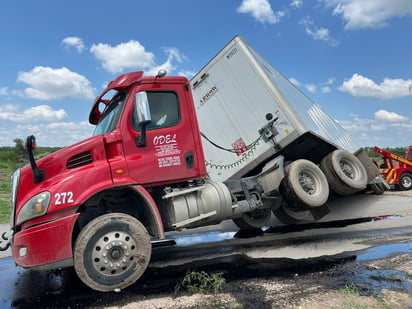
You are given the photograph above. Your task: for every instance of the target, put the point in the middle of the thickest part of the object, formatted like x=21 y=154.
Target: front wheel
x=405 y=182
x=112 y=252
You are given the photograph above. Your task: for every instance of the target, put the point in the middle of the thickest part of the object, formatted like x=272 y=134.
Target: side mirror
x=38 y=175
x=142 y=109
x=142 y=115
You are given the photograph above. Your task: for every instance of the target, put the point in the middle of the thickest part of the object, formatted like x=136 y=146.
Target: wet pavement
x=21 y=288
x=273 y=251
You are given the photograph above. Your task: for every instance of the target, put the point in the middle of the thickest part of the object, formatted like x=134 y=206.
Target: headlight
x=37 y=206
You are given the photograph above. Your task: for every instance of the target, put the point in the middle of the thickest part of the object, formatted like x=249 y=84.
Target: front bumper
x=44 y=244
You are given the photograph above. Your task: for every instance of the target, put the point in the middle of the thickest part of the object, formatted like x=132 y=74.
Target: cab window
x=164 y=110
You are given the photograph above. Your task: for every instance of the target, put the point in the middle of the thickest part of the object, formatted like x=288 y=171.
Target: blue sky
x=352 y=57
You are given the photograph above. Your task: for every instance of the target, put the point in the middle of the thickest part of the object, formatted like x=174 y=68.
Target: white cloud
x=320 y=34
x=173 y=54
x=379 y=126
x=296 y=4
x=295 y=81
x=48 y=134
x=325 y=90
x=186 y=73
x=74 y=42
x=49 y=84
x=356 y=125
x=12 y=113
x=133 y=55
x=261 y=11
x=4 y=91
x=380 y=129
x=311 y=88
x=369 y=14
x=381 y=120
x=129 y=55
x=361 y=86
x=386 y=116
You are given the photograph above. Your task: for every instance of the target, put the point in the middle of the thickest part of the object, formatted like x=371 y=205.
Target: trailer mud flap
x=371 y=170
x=319 y=212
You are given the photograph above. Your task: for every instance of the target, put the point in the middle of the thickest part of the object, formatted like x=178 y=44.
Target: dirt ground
x=341 y=284
x=347 y=283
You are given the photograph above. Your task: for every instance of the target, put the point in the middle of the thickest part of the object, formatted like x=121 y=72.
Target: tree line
x=12 y=156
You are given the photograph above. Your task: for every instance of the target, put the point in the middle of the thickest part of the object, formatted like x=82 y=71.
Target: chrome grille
x=15 y=179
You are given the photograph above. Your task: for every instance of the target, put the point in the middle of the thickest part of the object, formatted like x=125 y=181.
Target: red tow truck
x=396 y=170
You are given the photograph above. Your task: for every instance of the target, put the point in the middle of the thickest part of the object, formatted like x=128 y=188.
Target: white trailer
x=247 y=107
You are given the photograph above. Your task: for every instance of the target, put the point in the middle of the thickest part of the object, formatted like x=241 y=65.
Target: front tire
x=405 y=182
x=112 y=252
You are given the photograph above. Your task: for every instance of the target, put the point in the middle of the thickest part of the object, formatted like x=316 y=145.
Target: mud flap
x=319 y=212
x=371 y=170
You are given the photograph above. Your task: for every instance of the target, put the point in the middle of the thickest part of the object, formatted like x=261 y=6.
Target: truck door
x=170 y=154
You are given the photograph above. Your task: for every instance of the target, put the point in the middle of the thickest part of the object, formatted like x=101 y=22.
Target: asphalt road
x=355 y=226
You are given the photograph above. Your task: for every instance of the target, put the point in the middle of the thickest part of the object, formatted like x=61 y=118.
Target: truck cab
x=171 y=134
x=121 y=169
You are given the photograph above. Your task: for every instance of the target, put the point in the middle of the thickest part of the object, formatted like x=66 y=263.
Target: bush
x=201 y=282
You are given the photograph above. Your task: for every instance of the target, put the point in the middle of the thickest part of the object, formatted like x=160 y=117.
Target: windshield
x=111 y=114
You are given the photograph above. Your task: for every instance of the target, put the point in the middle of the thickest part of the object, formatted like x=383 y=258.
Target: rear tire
x=405 y=182
x=344 y=172
x=304 y=186
x=112 y=252
x=253 y=220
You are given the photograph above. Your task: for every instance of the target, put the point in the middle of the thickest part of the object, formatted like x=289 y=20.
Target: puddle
x=372 y=282
x=211 y=237
x=202 y=238
x=383 y=251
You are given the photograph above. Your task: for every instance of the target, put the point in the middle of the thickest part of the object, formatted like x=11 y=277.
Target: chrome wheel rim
x=114 y=253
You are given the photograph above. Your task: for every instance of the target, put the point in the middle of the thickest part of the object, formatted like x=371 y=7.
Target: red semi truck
x=238 y=141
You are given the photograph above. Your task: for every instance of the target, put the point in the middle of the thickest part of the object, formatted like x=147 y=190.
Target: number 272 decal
x=63 y=198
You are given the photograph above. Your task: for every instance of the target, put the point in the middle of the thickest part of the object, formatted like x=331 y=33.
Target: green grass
x=4 y=212
x=5 y=188
x=352 y=289
x=201 y=282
